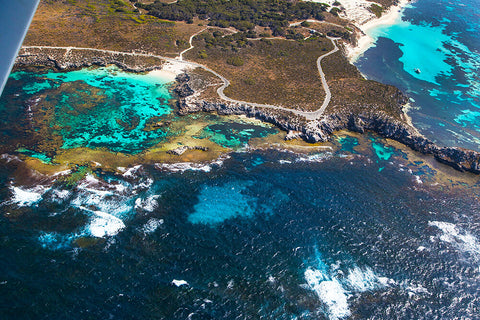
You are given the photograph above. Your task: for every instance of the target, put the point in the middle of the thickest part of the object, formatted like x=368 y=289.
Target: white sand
x=356 y=11
x=171 y=69
x=365 y=41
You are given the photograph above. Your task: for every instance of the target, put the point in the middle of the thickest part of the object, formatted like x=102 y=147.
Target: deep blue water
x=265 y=234
x=440 y=39
x=361 y=231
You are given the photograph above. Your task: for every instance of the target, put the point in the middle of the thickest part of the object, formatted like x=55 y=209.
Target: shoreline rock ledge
x=321 y=130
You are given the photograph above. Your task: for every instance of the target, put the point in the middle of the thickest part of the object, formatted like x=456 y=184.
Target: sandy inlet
x=171 y=69
x=366 y=40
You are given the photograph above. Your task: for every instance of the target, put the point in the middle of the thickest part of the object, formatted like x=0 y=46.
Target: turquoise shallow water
x=269 y=234
x=354 y=232
x=233 y=134
x=97 y=107
x=440 y=39
x=103 y=108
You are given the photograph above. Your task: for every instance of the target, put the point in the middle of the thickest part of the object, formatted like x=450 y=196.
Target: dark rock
x=182 y=149
x=322 y=129
x=183 y=88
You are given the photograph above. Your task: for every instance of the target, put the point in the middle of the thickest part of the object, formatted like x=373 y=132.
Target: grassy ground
x=273 y=71
x=106 y=24
x=352 y=93
x=280 y=72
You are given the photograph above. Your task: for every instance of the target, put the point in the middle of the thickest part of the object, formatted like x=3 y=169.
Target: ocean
x=357 y=228
x=432 y=53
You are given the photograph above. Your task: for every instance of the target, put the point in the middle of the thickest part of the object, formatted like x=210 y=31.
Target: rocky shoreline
x=65 y=59
x=321 y=130
x=296 y=126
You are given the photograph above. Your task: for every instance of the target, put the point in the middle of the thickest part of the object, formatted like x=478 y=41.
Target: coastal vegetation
x=268 y=71
x=377 y=10
x=263 y=63
x=241 y=14
x=261 y=68
x=106 y=24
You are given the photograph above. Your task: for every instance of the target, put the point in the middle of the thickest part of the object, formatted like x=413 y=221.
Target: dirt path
x=312 y=115
x=180 y=57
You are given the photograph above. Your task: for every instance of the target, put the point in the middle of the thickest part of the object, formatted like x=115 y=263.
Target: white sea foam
x=104 y=225
x=184 y=166
x=461 y=239
x=331 y=292
x=364 y=279
x=8 y=157
x=60 y=195
x=417 y=179
x=144 y=184
x=148 y=204
x=27 y=197
x=91 y=179
x=62 y=173
x=94 y=193
x=334 y=288
x=151 y=225
x=179 y=283
x=317 y=157
x=130 y=172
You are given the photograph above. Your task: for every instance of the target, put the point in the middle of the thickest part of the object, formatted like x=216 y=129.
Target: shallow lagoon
x=440 y=38
x=359 y=227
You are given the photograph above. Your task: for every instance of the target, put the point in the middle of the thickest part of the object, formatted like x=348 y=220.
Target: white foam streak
x=334 y=290
x=151 y=225
x=179 y=283
x=331 y=292
x=317 y=157
x=27 y=197
x=463 y=240
x=104 y=224
x=149 y=204
x=184 y=166
x=130 y=172
x=60 y=195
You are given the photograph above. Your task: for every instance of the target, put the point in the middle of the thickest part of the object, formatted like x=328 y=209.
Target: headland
x=290 y=74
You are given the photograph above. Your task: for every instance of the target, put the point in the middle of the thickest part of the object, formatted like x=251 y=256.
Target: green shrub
x=235 y=61
x=377 y=10
x=335 y=11
x=305 y=24
x=249 y=81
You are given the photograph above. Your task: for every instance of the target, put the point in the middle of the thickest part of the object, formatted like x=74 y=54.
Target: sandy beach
x=171 y=69
x=365 y=41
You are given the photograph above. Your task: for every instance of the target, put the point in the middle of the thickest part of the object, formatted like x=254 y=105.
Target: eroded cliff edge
x=321 y=130
x=190 y=100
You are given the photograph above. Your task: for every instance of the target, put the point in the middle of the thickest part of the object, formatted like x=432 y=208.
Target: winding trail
x=180 y=57
x=309 y=115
